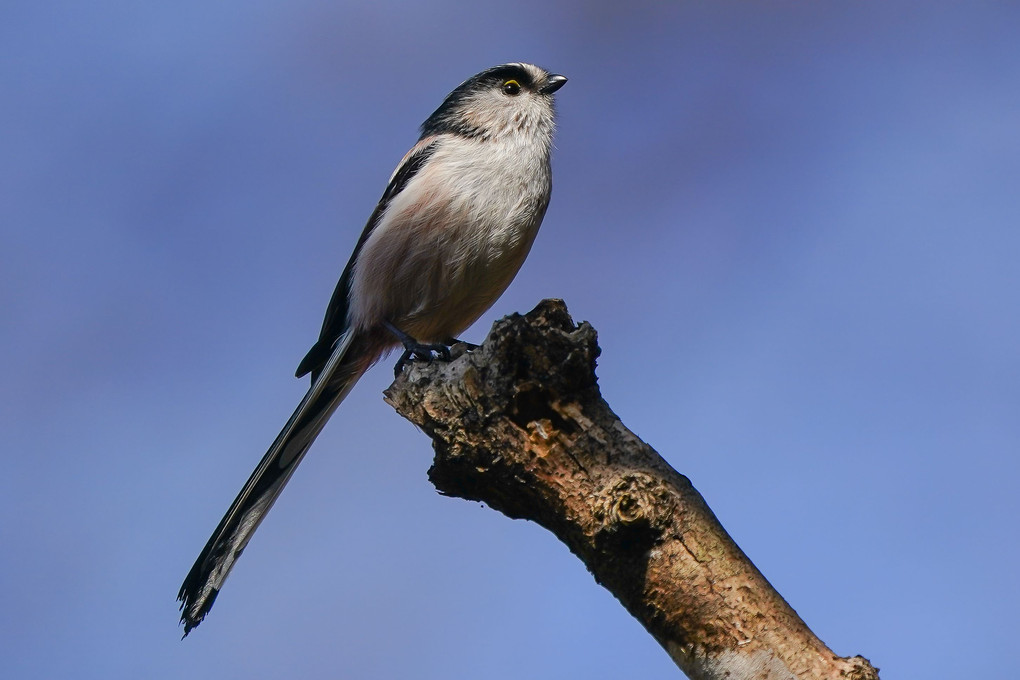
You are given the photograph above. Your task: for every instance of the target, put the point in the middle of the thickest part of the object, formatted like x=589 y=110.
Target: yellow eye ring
x=511 y=87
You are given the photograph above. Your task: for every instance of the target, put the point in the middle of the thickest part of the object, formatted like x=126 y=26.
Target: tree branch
x=520 y=425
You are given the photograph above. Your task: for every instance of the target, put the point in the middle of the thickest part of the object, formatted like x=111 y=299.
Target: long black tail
x=225 y=545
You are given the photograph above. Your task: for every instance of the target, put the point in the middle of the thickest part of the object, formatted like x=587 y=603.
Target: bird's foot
x=428 y=352
x=414 y=350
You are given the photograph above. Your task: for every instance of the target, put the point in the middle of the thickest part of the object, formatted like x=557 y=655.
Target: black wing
x=335 y=322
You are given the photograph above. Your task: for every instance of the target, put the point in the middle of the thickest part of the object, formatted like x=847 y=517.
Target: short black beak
x=553 y=83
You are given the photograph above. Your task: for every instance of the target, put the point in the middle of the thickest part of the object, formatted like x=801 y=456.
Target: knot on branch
x=634 y=511
x=635 y=498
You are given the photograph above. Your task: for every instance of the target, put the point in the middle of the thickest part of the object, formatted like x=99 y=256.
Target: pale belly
x=443 y=254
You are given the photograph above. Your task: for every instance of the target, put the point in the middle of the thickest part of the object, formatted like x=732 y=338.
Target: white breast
x=449 y=244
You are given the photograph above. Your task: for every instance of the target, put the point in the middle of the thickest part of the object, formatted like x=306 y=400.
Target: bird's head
x=497 y=102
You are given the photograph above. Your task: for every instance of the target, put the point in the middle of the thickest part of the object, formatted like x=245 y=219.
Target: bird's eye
x=511 y=87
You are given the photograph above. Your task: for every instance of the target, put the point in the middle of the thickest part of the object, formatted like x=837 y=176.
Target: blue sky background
x=795 y=228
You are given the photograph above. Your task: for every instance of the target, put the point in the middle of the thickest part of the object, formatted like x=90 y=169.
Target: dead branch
x=519 y=424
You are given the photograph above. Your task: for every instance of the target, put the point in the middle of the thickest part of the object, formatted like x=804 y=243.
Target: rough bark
x=519 y=424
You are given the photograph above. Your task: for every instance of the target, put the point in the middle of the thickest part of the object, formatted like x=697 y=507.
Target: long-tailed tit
x=450 y=232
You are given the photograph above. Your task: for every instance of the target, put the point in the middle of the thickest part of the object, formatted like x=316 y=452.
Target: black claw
x=404 y=358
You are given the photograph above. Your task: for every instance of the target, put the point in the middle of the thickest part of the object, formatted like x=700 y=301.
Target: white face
x=510 y=105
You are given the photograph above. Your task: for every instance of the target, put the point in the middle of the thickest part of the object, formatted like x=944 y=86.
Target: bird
x=453 y=227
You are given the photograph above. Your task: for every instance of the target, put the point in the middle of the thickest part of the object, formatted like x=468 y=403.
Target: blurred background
x=794 y=227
